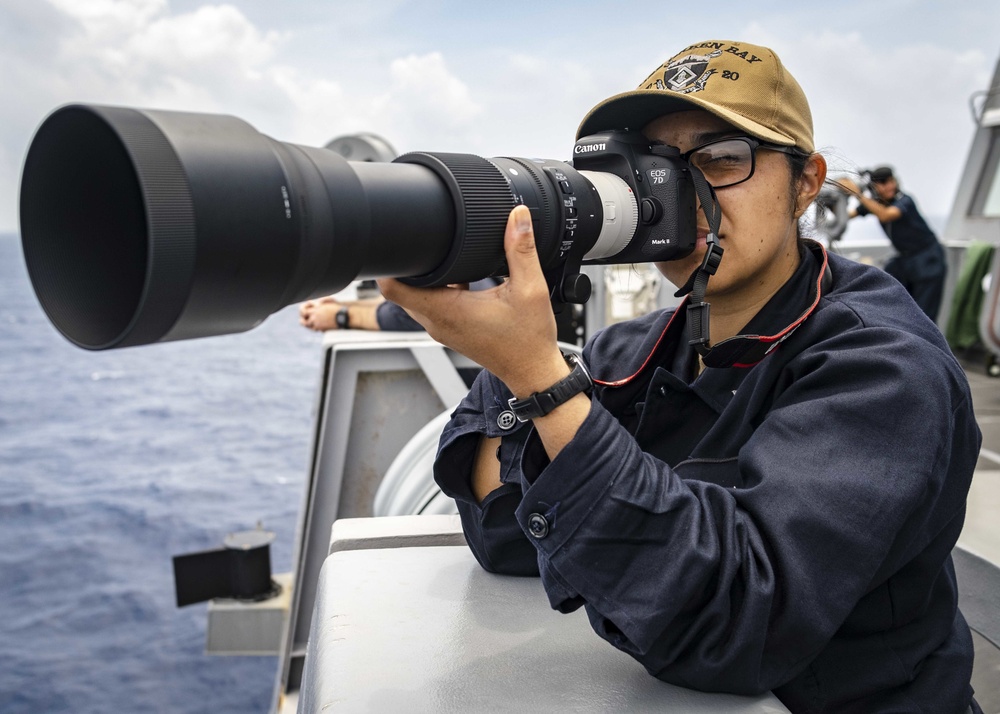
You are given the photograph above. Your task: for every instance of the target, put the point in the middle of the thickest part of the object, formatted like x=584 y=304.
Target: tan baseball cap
x=744 y=84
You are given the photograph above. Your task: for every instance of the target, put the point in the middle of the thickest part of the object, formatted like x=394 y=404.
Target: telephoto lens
x=142 y=226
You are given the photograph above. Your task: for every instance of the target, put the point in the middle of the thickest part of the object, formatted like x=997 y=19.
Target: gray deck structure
x=981 y=535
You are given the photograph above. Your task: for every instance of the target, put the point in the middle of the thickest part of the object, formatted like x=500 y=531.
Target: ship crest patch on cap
x=687 y=74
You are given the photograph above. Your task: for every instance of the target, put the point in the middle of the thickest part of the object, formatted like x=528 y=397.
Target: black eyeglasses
x=727 y=162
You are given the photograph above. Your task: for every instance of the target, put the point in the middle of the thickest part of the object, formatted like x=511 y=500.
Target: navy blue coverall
x=785 y=525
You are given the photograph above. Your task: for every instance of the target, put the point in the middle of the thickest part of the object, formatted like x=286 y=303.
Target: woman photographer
x=773 y=512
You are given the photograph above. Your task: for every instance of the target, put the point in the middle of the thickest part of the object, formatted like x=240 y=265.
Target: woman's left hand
x=510 y=329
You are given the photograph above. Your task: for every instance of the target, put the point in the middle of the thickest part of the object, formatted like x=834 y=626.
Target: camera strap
x=740 y=350
x=697 y=310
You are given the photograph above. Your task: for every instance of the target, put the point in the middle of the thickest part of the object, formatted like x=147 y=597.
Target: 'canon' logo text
x=587 y=148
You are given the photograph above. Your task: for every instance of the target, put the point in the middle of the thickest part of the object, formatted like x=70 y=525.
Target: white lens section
x=621 y=214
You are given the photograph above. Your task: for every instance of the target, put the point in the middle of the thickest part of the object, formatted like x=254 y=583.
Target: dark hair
x=797 y=167
x=797 y=163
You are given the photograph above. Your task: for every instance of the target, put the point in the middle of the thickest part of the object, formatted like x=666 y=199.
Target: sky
x=889 y=81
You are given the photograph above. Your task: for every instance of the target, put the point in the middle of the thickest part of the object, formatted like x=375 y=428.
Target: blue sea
x=111 y=463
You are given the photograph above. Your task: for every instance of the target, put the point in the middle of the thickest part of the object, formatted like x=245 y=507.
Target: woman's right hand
x=510 y=329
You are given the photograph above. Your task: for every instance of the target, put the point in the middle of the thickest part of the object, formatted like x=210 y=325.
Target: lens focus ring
x=483 y=200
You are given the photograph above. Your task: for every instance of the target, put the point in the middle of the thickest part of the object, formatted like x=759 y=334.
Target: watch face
x=576 y=362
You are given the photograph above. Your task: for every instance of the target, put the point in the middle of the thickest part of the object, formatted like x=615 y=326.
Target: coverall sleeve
x=860 y=464
x=492 y=531
x=391 y=317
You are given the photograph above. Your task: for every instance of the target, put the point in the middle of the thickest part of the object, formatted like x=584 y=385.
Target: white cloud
x=424 y=103
x=427 y=86
x=414 y=102
x=424 y=82
x=105 y=17
x=203 y=39
x=136 y=52
x=321 y=109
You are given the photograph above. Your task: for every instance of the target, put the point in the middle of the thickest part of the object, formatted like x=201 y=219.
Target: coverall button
x=537 y=525
x=506 y=420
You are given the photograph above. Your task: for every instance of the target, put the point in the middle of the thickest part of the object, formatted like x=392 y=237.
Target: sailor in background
x=920 y=263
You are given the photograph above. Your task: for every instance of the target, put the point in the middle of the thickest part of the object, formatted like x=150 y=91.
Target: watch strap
x=541 y=403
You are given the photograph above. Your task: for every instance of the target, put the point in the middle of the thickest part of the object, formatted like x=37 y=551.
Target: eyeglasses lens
x=724 y=163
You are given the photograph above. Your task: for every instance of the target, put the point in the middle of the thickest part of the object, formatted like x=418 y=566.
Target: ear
x=810 y=183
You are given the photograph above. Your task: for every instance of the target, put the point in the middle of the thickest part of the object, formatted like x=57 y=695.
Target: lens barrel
x=143 y=226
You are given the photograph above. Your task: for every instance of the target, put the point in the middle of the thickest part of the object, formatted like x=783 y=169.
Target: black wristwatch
x=343 y=319
x=541 y=403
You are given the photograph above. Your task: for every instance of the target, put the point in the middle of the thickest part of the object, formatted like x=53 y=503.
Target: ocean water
x=110 y=464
